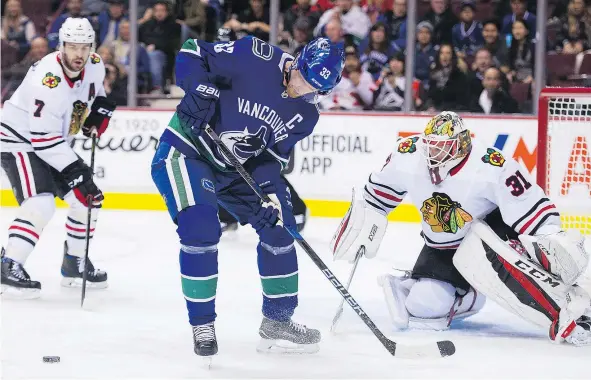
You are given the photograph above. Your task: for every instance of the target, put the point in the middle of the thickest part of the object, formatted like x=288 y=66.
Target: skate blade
x=76 y=282
x=206 y=362
x=278 y=346
x=10 y=292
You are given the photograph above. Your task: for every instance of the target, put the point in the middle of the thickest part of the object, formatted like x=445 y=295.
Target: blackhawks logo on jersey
x=78 y=116
x=408 y=145
x=442 y=214
x=51 y=80
x=95 y=58
x=493 y=157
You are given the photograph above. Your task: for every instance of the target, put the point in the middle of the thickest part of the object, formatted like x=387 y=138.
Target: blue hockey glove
x=268 y=214
x=198 y=107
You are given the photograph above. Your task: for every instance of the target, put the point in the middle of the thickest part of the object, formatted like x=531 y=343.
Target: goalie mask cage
x=564 y=162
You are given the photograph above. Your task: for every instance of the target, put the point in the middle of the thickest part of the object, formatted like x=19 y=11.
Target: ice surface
x=138 y=327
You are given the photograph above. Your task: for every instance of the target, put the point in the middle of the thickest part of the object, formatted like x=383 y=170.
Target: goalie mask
x=445 y=143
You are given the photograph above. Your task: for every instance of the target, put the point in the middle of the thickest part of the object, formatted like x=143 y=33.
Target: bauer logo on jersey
x=51 y=80
x=408 y=146
x=493 y=157
x=245 y=144
x=442 y=214
x=95 y=58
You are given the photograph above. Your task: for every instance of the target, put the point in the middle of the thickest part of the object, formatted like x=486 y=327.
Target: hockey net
x=564 y=162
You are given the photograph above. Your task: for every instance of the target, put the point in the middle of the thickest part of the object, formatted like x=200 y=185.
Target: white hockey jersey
x=48 y=109
x=483 y=181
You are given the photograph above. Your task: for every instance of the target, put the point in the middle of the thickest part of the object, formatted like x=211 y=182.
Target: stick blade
x=425 y=351
x=335 y=320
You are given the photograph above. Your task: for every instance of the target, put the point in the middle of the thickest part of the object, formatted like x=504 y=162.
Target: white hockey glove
x=562 y=254
x=363 y=225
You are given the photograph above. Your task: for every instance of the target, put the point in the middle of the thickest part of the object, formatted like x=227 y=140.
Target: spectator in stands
x=192 y=18
x=396 y=23
x=302 y=34
x=519 y=12
x=496 y=45
x=389 y=96
x=13 y=76
x=115 y=85
x=521 y=54
x=425 y=52
x=482 y=62
x=493 y=98
x=334 y=32
x=467 y=35
x=93 y=7
x=17 y=29
x=375 y=50
x=254 y=21
x=572 y=37
x=109 y=21
x=74 y=10
x=354 y=21
x=121 y=49
x=355 y=90
x=375 y=9
x=161 y=35
x=443 y=20
x=302 y=9
x=447 y=83
x=325 y=5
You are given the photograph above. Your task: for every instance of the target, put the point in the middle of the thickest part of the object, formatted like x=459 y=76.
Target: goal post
x=564 y=162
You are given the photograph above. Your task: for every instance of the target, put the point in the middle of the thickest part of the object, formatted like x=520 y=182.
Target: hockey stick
x=88 y=217
x=440 y=349
x=337 y=316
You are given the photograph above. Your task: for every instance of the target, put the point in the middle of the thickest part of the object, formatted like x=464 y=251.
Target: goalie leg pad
x=562 y=254
x=395 y=290
x=362 y=228
x=518 y=284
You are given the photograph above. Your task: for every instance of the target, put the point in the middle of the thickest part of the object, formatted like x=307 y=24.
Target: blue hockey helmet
x=321 y=64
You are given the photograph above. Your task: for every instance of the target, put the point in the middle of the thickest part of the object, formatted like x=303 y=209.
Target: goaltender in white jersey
x=488 y=228
x=61 y=95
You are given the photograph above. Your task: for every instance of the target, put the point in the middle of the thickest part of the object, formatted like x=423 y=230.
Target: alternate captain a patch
x=51 y=80
x=95 y=58
x=493 y=157
x=408 y=145
x=443 y=214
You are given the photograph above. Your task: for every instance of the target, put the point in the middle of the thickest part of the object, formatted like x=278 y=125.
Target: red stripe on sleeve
x=526 y=225
x=387 y=196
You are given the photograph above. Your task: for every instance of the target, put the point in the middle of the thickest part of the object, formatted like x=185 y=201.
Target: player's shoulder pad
x=491 y=157
x=48 y=74
x=407 y=145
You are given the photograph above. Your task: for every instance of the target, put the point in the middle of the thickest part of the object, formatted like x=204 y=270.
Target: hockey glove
x=197 y=108
x=268 y=214
x=78 y=176
x=99 y=116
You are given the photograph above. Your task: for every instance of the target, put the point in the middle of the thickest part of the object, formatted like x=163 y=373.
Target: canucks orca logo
x=245 y=144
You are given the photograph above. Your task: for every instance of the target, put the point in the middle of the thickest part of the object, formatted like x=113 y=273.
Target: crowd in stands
x=470 y=55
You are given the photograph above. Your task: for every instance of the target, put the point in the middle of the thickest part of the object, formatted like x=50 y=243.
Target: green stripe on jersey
x=178 y=179
x=199 y=289
x=280 y=286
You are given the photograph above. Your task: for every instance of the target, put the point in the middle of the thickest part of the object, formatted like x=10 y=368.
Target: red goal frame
x=543 y=118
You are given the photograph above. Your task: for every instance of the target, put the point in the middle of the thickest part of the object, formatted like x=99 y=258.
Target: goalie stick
x=428 y=350
x=339 y=312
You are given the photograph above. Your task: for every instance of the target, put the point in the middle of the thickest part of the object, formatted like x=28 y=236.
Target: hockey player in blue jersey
x=260 y=101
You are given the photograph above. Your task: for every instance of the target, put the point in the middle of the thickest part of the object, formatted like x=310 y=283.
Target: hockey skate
x=16 y=282
x=72 y=270
x=287 y=338
x=205 y=342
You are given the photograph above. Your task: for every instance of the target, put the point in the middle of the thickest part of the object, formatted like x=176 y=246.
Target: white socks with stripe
x=24 y=232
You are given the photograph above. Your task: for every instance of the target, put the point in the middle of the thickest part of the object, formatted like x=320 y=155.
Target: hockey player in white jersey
x=61 y=94
x=486 y=226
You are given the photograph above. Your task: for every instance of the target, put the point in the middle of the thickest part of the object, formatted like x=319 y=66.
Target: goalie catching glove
x=362 y=228
x=99 y=116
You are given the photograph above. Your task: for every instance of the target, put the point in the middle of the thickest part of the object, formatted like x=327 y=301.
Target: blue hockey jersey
x=253 y=115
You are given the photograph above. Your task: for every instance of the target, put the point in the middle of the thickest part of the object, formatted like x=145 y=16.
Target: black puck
x=51 y=359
